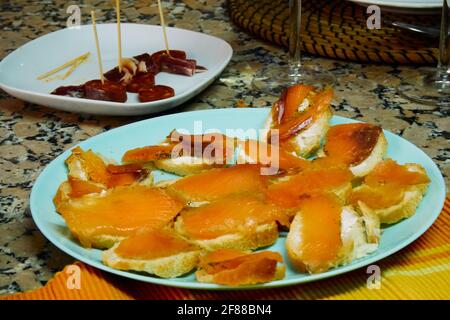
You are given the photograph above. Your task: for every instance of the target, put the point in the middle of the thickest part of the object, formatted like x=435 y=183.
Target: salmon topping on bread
x=391 y=191
x=89 y=174
x=288 y=194
x=118 y=212
x=154 y=251
x=218 y=183
x=292 y=121
x=390 y=172
x=387 y=183
x=233 y=267
x=152 y=244
x=211 y=146
x=352 y=143
x=264 y=154
x=317 y=243
x=236 y=214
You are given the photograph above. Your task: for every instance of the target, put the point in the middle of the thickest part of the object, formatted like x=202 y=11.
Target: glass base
x=273 y=80
x=428 y=88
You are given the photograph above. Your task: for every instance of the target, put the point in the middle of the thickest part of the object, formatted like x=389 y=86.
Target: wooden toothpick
x=74 y=62
x=119 y=34
x=99 y=57
x=163 y=26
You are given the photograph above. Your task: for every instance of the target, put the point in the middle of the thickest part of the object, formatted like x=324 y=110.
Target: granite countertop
x=31 y=135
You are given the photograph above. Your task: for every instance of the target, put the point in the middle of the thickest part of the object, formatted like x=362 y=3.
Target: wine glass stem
x=295 y=19
x=444 y=45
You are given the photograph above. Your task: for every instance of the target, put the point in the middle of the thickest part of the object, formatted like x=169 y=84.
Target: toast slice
x=160 y=252
x=360 y=146
x=272 y=157
x=241 y=222
x=300 y=119
x=288 y=191
x=391 y=191
x=234 y=267
x=185 y=154
x=90 y=174
x=341 y=238
x=218 y=183
x=100 y=220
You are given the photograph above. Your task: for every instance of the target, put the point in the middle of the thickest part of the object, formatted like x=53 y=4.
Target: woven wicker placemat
x=338 y=29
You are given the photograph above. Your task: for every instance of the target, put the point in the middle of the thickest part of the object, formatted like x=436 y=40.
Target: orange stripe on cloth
x=420 y=271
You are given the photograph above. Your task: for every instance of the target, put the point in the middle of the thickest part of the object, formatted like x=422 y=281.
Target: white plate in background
x=19 y=70
x=405 y=6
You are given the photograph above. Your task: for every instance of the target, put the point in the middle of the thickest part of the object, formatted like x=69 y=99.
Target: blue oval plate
x=114 y=143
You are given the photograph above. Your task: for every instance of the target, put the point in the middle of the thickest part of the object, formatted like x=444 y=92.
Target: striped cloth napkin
x=420 y=271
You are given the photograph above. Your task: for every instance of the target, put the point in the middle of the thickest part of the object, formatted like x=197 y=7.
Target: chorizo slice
x=143 y=81
x=107 y=91
x=158 y=92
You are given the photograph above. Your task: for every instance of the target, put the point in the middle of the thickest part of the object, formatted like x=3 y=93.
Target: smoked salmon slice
x=152 y=244
x=316 y=179
x=264 y=154
x=314 y=240
x=210 y=146
x=300 y=119
x=390 y=172
x=287 y=106
x=88 y=173
x=233 y=267
x=218 y=183
x=116 y=213
x=241 y=213
x=386 y=184
x=350 y=144
x=377 y=197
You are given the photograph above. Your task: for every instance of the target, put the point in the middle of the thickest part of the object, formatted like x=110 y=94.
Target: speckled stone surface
x=31 y=135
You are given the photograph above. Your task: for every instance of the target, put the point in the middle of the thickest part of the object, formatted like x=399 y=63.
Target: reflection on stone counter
x=31 y=136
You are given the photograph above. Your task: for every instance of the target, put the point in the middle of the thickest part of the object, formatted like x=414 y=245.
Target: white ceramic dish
x=114 y=143
x=405 y=6
x=19 y=70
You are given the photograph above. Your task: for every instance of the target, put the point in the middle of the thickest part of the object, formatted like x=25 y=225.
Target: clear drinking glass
x=433 y=86
x=273 y=79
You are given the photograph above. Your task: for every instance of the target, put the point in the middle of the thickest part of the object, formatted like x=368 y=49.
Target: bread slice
x=359 y=236
x=355 y=243
x=377 y=154
x=241 y=221
x=263 y=236
x=167 y=267
x=305 y=143
x=288 y=191
x=185 y=154
x=156 y=251
x=89 y=173
x=404 y=209
x=362 y=143
x=100 y=220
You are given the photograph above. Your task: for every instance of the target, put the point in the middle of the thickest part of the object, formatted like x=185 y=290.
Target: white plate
x=19 y=70
x=113 y=143
x=414 y=7
x=405 y=4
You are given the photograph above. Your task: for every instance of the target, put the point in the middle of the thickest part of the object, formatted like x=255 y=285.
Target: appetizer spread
x=137 y=76
x=332 y=192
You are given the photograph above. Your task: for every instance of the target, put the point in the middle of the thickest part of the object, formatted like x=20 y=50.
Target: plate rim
x=385 y=3
x=134 y=105
x=207 y=286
